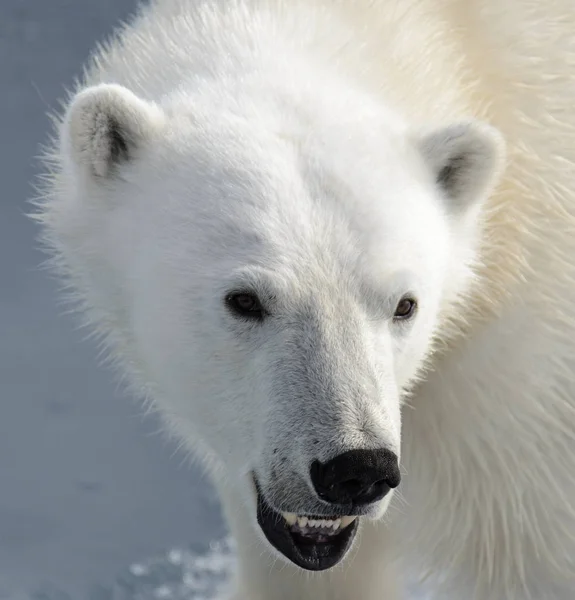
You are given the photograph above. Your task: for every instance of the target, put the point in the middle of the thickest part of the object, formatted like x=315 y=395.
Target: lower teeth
x=307 y=526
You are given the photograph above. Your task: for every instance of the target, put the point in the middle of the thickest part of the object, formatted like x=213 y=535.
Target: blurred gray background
x=86 y=484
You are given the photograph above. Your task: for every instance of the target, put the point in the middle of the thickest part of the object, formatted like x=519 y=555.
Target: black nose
x=356 y=477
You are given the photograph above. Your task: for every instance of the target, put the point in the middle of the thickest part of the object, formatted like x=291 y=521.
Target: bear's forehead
x=313 y=247
x=296 y=204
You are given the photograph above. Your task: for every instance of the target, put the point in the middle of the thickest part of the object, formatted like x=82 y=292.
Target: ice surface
x=86 y=486
x=179 y=574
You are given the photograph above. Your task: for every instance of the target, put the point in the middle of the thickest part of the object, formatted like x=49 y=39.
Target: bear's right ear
x=106 y=125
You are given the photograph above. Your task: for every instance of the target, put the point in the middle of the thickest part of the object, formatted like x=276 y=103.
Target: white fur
x=296 y=148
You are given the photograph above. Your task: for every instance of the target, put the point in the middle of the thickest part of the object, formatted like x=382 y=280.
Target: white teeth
x=304 y=522
x=345 y=521
x=291 y=518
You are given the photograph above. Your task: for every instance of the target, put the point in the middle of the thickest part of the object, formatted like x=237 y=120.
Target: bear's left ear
x=466 y=159
x=107 y=125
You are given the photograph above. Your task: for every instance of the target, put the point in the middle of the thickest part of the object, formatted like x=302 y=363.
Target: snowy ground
x=86 y=487
x=93 y=505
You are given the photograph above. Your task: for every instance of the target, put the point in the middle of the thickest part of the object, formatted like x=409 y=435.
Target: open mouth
x=314 y=543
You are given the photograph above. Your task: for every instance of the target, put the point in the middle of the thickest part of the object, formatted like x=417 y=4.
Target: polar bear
x=331 y=242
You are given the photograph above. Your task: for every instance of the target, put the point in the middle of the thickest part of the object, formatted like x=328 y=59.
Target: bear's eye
x=405 y=308
x=245 y=304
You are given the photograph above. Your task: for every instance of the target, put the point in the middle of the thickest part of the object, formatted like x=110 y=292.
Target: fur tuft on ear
x=105 y=125
x=466 y=159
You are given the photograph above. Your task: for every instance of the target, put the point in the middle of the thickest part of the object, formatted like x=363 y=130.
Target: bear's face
x=274 y=294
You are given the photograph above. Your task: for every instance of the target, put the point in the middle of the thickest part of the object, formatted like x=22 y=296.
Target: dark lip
x=302 y=553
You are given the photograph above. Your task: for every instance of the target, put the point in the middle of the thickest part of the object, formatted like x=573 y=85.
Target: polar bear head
x=272 y=280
